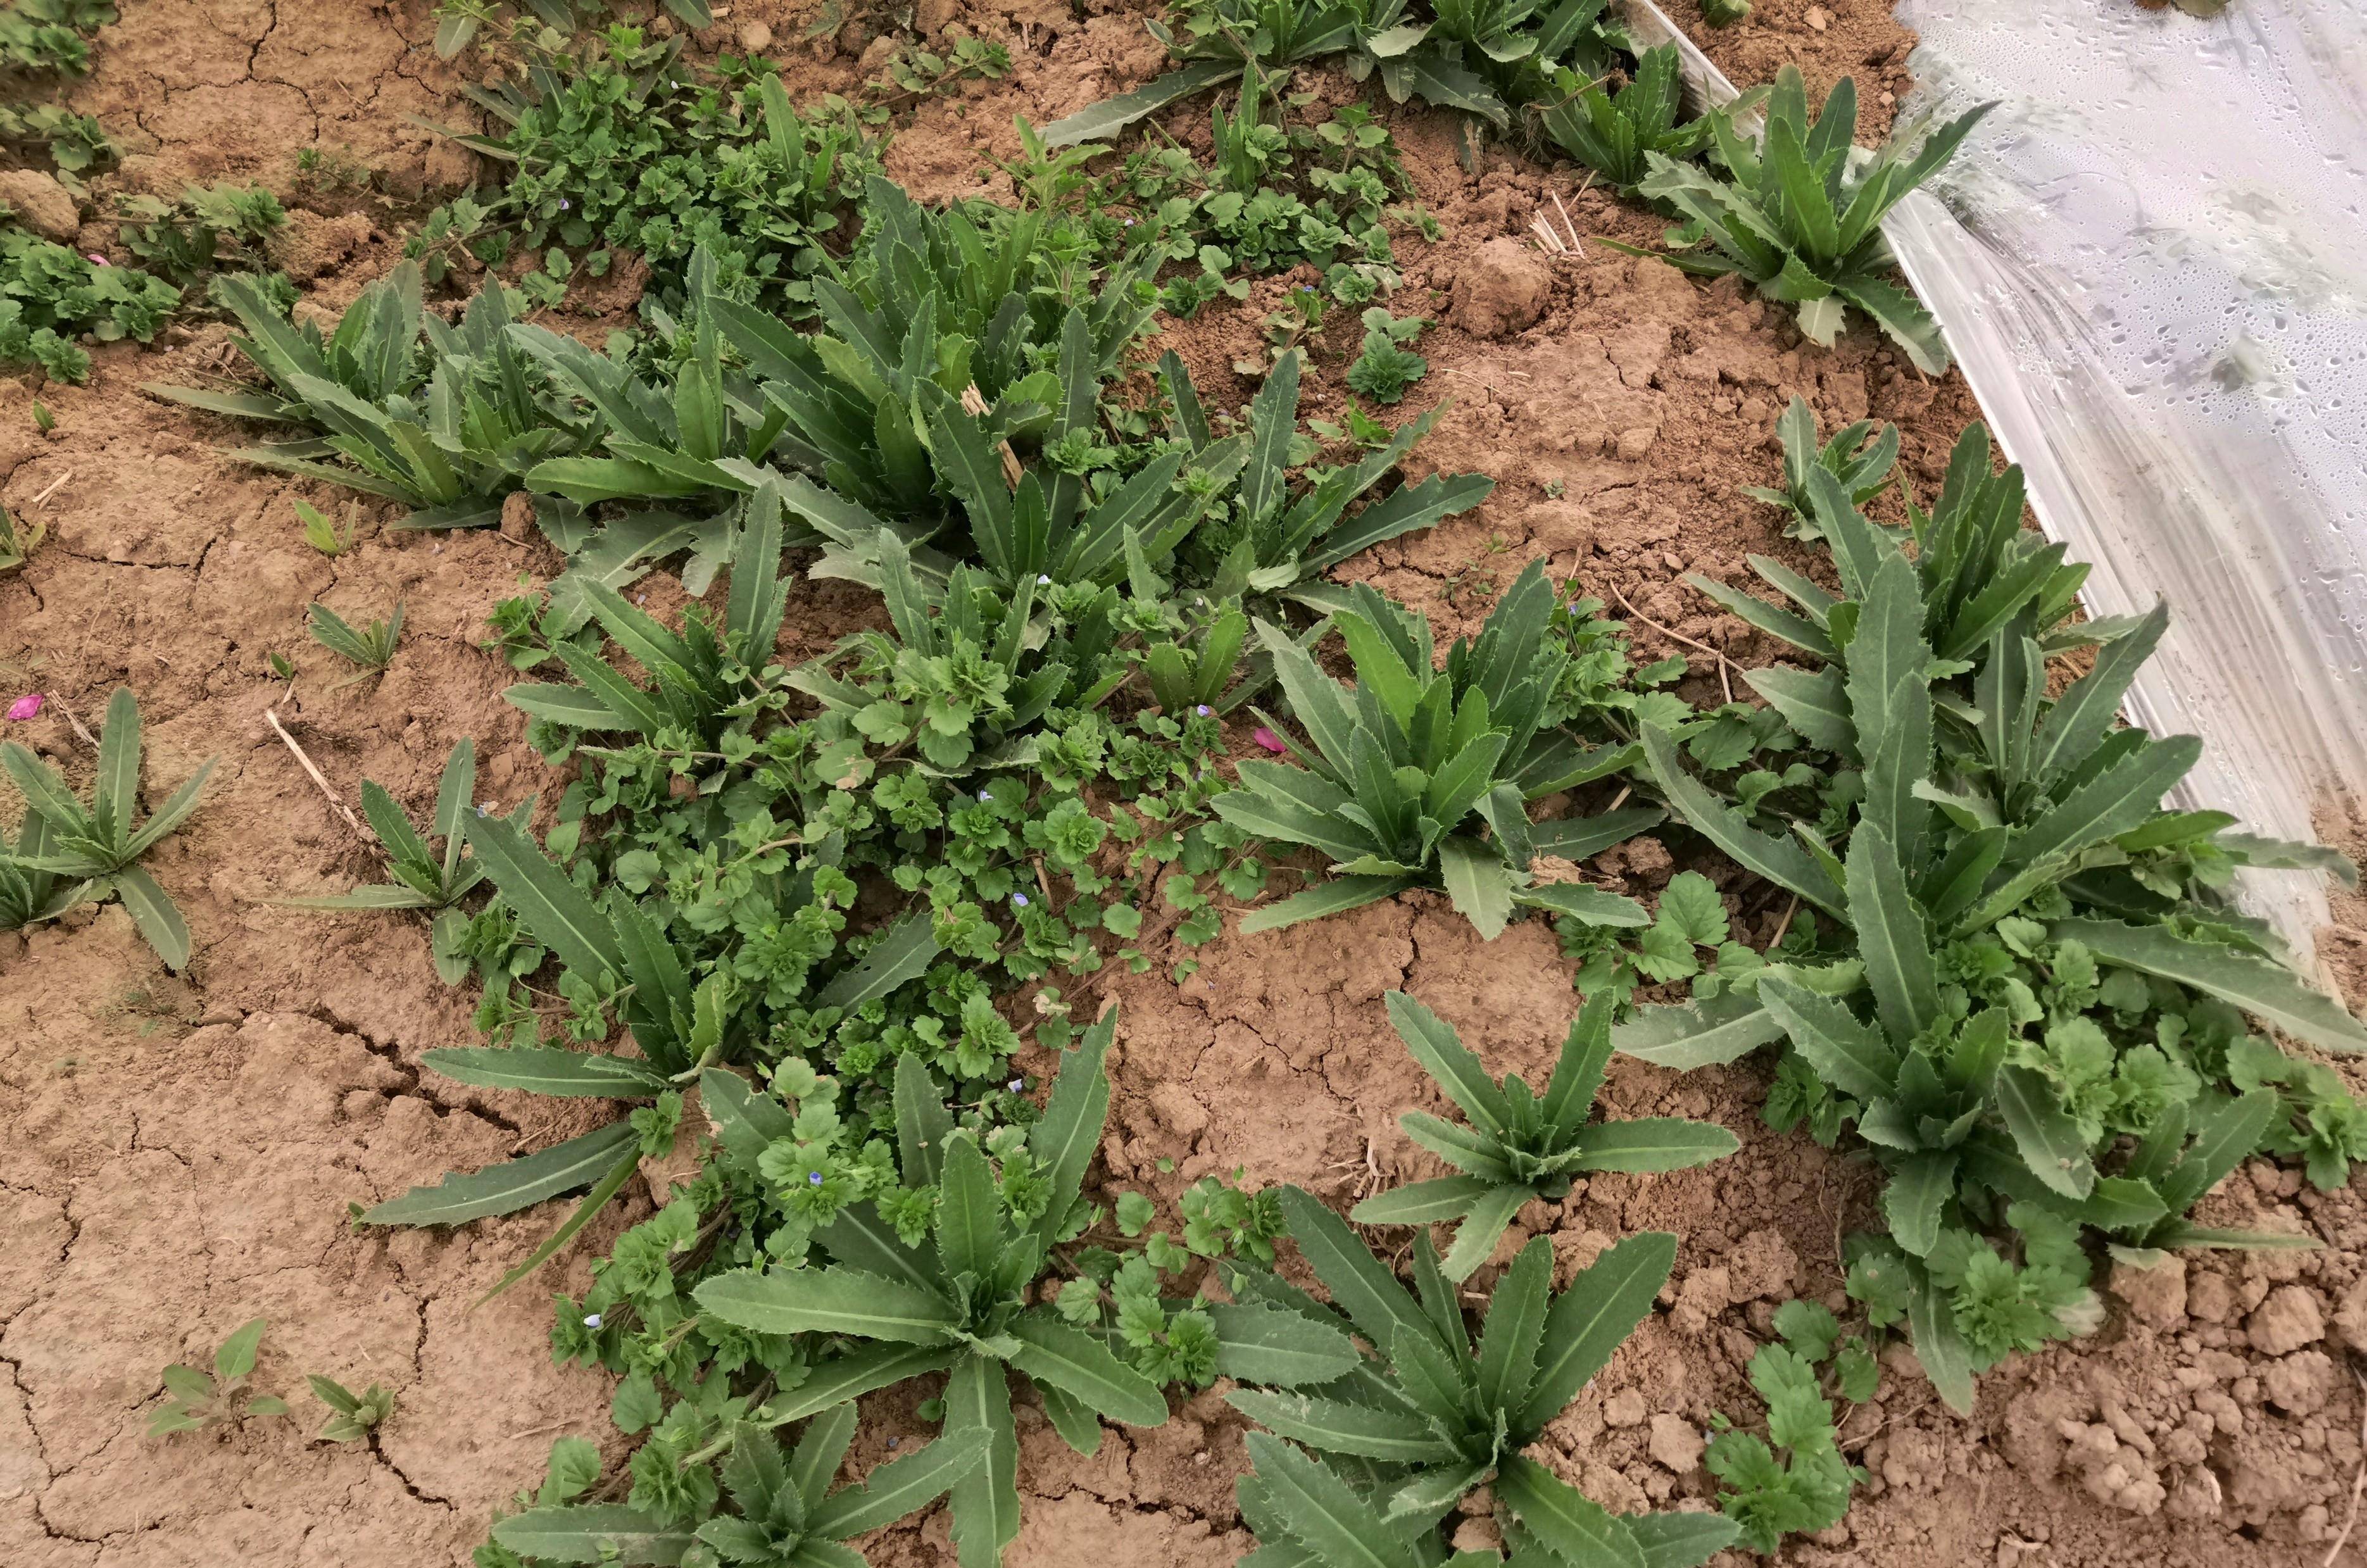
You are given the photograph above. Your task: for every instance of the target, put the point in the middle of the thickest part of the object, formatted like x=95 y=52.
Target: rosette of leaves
x=1861 y=454
x=74 y=143
x=939 y=1280
x=1516 y=1145
x=1432 y=1416
x=1976 y=572
x=702 y=679
x=940 y=314
x=1272 y=538
x=1612 y=133
x=373 y=353
x=94 y=850
x=1056 y=520
x=784 y=1511
x=487 y=416
x=434 y=884
x=1404 y=772
x=1801 y=220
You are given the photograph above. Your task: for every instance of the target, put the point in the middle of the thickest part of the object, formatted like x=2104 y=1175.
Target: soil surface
x=180 y=1153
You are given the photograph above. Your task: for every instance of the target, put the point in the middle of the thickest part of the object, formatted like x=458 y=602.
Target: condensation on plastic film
x=2150 y=262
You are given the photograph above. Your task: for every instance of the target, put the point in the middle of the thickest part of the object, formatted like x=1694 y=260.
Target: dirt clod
x=1502 y=289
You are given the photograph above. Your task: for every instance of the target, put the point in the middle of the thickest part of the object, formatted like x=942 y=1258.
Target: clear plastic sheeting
x=2150 y=262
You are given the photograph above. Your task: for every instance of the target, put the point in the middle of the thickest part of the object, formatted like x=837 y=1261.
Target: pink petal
x=1268 y=738
x=97 y=260
x=26 y=707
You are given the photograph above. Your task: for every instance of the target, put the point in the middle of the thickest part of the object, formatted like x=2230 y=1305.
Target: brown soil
x=179 y=1151
x=1828 y=39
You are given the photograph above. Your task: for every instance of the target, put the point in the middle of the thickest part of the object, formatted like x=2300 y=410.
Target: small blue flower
x=1019 y=900
x=986 y=794
x=592 y=1321
x=1042 y=581
x=813 y=1179
x=1204 y=710
x=563 y=204
x=480 y=811
x=893 y=1442
x=1018 y=1084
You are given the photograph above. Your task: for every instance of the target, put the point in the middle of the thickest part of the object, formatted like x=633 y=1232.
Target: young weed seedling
x=322 y=533
x=424 y=880
x=196 y=1399
x=371 y=650
x=352 y=1417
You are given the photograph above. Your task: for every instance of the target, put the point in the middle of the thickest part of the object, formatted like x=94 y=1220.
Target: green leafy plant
x=352 y=1417
x=50 y=294
x=619 y=146
x=196 y=1399
x=369 y=648
x=1725 y=13
x=2028 y=922
x=1387 y=365
x=1404 y=770
x=1860 y=456
x=786 y=1515
x=434 y=883
x=1800 y=223
x=943 y=1285
x=96 y=849
x=1517 y=1145
x=50 y=35
x=76 y=143
x=1272 y=538
x=371 y=355
x=210 y=229
x=1430 y=1417
x=1614 y=133
x=322 y=533
x=1795 y=1481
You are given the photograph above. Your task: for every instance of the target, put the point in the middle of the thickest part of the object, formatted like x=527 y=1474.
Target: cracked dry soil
x=178 y=1153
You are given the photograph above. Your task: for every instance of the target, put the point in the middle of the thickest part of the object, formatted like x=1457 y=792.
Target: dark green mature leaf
x=1341 y=1427
x=1063 y=1142
x=600 y=1532
x=1940 y=1345
x=1324 y=1513
x=540 y=1069
x=1893 y=938
x=558 y=913
x=1700 y=1035
x=2050 y=1142
x=986 y=1500
x=1601 y=1308
x=1678 y=1539
x=1258 y=1342
x=900 y=1486
x=510 y=1186
x=1514 y=1329
x=1572 y=1525
x=1359 y=1285
x=1651 y=1144
x=628 y=1164
x=1423 y=1202
x=1083 y=1367
x=903 y=952
x=1845 y=1052
x=853 y=1373
x=1783 y=861
x=1445 y=1058
x=830 y=1301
